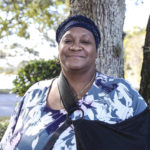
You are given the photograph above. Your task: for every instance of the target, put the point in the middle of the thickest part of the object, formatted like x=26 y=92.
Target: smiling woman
x=46 y=119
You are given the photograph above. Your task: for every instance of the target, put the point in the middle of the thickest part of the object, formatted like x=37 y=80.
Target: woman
x=101 y=97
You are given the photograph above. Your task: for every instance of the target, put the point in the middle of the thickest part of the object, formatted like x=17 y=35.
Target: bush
x=3 y=127
x=33 y=72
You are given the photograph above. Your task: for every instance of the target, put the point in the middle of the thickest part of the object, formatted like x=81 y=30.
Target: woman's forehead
x=78 y=31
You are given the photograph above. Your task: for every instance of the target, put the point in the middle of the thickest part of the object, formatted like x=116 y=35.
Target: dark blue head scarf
x=78 y=21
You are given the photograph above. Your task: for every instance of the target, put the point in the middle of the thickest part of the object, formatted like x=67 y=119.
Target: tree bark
x=145 y=73
x=109 y=16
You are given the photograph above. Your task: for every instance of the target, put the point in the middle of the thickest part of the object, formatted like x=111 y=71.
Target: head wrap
x=78 y=21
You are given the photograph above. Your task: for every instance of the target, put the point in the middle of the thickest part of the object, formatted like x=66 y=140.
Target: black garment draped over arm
x=131 y=134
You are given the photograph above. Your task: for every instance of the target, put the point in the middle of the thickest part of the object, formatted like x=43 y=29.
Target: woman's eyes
x=85 y=42
x=67 y=41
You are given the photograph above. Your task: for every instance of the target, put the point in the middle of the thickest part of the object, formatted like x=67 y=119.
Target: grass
x=3 y=119
x=5 y=90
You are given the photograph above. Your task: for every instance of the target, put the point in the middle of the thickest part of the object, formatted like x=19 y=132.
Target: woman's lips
x=76 y=56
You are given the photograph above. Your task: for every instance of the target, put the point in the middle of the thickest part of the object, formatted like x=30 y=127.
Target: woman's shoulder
x=110 y=80
x=37 y=92
x=110 y=83
x=123 y=90
x=41 y=85
x=117 y=85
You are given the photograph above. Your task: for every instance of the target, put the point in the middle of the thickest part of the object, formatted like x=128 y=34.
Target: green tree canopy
x=18 y=19
x=17 y=16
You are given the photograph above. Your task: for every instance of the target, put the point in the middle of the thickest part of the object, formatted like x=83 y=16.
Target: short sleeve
x=138 y=103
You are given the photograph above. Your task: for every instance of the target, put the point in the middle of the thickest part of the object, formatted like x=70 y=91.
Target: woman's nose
x=75 y=46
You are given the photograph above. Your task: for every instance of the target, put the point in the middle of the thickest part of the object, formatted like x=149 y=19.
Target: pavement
x=8 y=103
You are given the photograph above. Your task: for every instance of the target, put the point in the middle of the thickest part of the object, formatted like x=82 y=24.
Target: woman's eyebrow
x=68 y=35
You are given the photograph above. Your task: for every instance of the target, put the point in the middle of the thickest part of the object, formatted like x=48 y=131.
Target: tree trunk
x=145 y=73
x=109 y=16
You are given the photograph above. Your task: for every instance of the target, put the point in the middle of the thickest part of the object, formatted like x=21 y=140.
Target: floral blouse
x=109 y=100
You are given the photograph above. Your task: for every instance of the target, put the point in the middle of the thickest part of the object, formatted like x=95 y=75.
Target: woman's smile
x=76 y=56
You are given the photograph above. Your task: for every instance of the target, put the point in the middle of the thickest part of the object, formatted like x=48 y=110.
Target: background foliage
x=3 y=125
x=18 y=15
x=19 y=18
x=33 y=72
x=133 y=56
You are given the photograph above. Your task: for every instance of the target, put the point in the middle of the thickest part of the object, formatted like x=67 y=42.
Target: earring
x=96 y=61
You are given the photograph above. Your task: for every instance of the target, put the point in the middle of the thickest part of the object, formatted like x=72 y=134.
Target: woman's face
x=77 y=50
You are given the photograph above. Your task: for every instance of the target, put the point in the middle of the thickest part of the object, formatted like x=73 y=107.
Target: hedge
x=3 y=127
x=33 y=72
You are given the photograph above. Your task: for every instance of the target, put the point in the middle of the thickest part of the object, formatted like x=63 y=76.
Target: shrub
x=33 y=72
x=3 y=127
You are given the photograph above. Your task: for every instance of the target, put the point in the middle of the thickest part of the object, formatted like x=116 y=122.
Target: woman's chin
x=74 y=67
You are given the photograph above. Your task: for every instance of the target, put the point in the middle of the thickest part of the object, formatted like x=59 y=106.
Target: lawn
x=2 y=119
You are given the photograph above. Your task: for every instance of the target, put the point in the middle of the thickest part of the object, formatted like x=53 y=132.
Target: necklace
x=82 y=92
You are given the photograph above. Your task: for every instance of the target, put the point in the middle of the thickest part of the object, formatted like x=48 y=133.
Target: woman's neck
x=79 y=80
